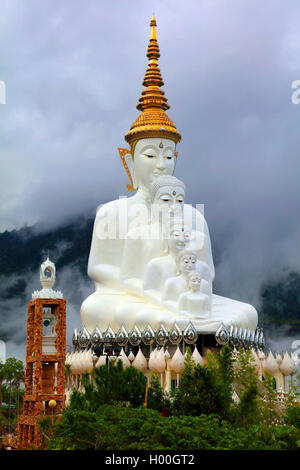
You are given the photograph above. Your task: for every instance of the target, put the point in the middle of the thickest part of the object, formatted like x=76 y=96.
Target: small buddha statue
x=195 y=302
x=174 y=286
x=158 y=270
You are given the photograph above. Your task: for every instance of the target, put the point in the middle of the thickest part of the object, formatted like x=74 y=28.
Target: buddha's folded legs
x=118 y=308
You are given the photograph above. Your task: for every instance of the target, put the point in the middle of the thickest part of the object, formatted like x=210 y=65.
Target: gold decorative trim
x=122 y=153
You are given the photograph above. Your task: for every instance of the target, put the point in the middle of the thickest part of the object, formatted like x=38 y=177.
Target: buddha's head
x=186 y=261
x=153 y=158
x=194 y=281
x=167 y=195
x=179 y=237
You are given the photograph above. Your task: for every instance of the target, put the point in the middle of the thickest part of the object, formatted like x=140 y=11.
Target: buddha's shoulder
x=111 y=206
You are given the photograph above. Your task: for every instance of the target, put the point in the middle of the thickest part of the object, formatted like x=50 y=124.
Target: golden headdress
x=153 y=121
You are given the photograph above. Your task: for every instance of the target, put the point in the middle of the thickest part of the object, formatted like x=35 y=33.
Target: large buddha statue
x=124 y=248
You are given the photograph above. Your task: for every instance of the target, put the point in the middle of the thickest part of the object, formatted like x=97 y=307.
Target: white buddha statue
x=149 y=241
x=174 y=286
x=195 y=302
x=158 y=270
x=152 y=138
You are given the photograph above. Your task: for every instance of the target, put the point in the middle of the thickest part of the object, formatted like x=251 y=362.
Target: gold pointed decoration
x=126 y=158
x=153 y=121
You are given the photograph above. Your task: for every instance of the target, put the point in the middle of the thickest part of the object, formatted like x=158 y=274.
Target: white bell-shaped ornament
x=140 y=362
x=82 y=363
x=101 y=361
x=255 y=362
x=167 y=354
x=160 y=362
x=177 y=361
x=74 y=365
x=124 y=359
x=131 y=356
x=77 y=363
x=286 y=366
x=68 y=358
x=295 y=362
x=72 y=360
x=270 y=364
x=152 y=359
x=88 y=361
x=196 y=356
x=261 y=355
x=278 y=358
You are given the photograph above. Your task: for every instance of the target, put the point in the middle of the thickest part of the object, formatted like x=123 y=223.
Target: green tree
x=110 y=384
x=104 y=416
x=2 y=378
x=248 y=411
x=221 y=366
x=13 y=375
x=198 y=391
x=155 y=394
x=115 y=427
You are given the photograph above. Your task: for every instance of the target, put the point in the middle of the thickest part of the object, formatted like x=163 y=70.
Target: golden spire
x=153 y=121
x=153 y=96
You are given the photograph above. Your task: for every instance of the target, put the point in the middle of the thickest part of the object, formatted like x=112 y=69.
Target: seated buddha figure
x=187 y=263
x=152 y=139
x=195 y=302
x=158 y=270
x=167 y=196
x=147 y=242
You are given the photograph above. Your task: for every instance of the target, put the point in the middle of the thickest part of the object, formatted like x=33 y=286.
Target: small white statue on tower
x=47 y=278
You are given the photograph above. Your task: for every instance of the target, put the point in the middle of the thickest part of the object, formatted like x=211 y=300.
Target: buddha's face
x=152 y=158
x=179 y=237
x=187 y=263
x=170 y=199
x=194 y=282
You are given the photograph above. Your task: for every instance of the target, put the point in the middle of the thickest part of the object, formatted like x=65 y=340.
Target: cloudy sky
x=73 y=72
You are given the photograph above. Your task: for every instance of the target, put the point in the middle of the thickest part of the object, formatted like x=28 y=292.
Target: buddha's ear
x=127 y=161
x=175 y=161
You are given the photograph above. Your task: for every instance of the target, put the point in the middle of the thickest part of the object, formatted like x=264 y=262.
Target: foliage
x=11 y=378
x=270 y=407
x=110 y=384
x=198 y=391
x=248 y=410
x=155 y=399
x=221 y=366
x=292 y=415
x=109 y=414
x=115 y=427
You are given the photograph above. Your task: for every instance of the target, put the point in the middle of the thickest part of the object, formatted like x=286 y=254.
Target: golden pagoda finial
x=153 y=121
x=153 y=30
x=153 y=96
